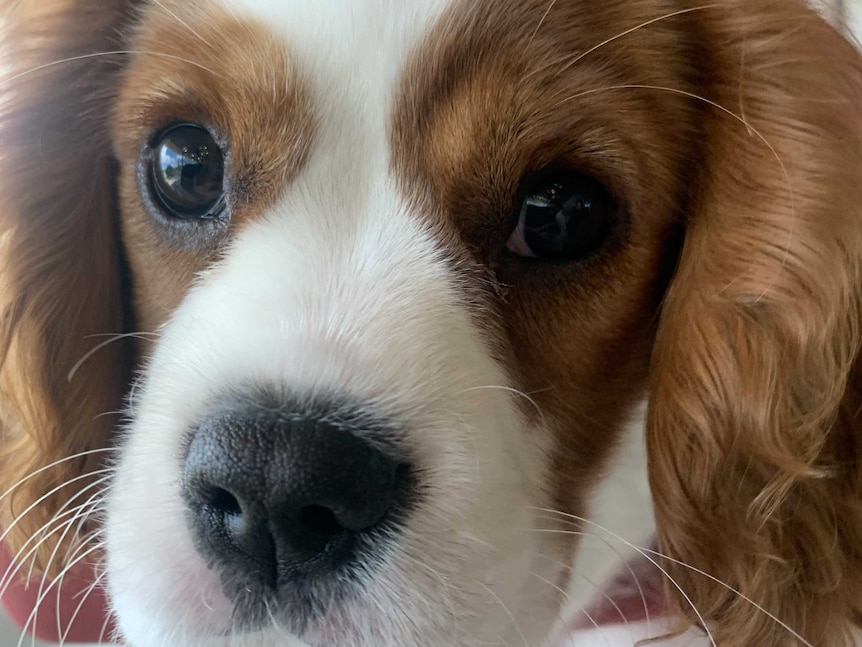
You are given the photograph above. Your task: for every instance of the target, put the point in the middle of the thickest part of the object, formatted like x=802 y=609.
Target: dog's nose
x=279 y=497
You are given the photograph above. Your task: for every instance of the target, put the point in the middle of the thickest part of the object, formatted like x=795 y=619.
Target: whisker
x=48 y=494
x=80 y=594
x=791 y=191
x=18 y=561
x=507 y=611
x=83 y=541
x=622 y=560
x=643 y=550
x=586 y=53
x=513 y=391
x=112 y=338
x=104 y=629
x=19 y=558
x=539 y=26
x=598 y=588
x=41 y=470
x=184 y=24
x=114 y=412
x=138 y=334
x=447 y=585
x=65 y=634
x=94 y=501
x=727 y=586
x=119 y=52
x=645 y=555
x=50 y=562
x=584 y=611
x=31 y=619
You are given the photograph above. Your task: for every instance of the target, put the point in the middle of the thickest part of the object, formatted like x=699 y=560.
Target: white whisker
x=17 y=563
x=507 y=611
x=691 y=95
x=41 y=470
x=119 y=52
x=104 y=629
x=93 y=502
x=644 y=554
x=65 y=634
x=760 y=608
x=623 y=34
x=598 y=588
x=48 y=565
x=103 y=344
x=513 y=391
x=48 y=494
x=628 y=567
x=184 y=24
x=584 y=611
x=31 y=619
x=539 y=26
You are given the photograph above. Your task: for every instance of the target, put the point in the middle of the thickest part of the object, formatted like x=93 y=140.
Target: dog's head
x=383 y=281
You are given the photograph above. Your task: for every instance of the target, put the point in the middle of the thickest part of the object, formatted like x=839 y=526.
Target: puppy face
x=402 y=272
x=372 y=257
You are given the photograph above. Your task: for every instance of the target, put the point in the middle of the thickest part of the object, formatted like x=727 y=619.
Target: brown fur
x=471 y=123
x=60 y=277
x=748 y=140
x=232 y=70
x=752 y=431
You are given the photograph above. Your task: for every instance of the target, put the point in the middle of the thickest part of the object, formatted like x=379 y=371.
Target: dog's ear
x=61 y=282
x=754 y=423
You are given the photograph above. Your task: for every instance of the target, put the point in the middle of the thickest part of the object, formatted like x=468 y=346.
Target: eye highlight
x=564 y=215
x=187 y=173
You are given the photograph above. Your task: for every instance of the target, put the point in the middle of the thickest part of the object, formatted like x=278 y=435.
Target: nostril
x=277 y=499
x=319 y=520
x=220 y=500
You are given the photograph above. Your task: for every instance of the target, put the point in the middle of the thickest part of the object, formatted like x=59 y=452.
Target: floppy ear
x=754 y=426
x=60 y=278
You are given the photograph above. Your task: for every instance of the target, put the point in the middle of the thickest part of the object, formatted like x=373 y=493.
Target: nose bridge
x=342 y=246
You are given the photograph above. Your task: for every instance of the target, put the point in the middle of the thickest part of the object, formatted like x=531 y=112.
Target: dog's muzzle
x=290 y=503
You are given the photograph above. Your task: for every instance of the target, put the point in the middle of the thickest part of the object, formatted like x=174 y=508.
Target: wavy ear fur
x=754 y=424
x=61 y=283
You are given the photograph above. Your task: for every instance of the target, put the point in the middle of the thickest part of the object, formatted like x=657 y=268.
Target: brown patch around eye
x=501 y=89
x=235 y=78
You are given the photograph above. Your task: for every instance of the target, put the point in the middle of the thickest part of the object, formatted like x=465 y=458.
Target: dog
x=327 y=321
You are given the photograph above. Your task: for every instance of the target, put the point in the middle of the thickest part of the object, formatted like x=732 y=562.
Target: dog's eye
x=564 y=215
x=188 y=173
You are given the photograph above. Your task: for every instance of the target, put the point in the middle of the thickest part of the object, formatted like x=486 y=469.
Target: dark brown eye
x=564 y=215
x=187 y=171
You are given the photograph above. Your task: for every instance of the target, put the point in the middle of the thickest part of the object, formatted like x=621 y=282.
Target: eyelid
x=517 y=243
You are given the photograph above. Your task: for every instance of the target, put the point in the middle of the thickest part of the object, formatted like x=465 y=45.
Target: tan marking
x=744 y=128
x=235 y=77
x=492 y=95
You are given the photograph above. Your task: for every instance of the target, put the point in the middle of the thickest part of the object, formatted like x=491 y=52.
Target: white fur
x=621 y=511
x=340 y=287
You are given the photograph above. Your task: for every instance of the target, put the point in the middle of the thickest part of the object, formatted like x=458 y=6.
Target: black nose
x=278 y=497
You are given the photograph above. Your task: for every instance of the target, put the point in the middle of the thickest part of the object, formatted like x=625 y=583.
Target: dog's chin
x=462 y=587
x=518 y=611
